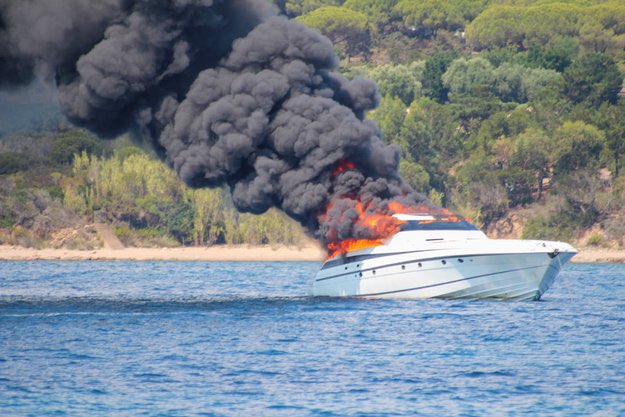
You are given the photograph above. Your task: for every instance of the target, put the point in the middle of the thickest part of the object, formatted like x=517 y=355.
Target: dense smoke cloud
x=46 y=35
x=226 y=91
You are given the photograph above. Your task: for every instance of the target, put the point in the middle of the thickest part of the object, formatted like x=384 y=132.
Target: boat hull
x=518 y=276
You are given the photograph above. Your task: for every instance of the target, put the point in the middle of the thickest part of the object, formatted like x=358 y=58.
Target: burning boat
x=442 y=256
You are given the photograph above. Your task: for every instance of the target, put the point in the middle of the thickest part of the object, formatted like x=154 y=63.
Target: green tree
x=557 y=57
x=595 y=38
x=294 y=8
x=416 y=135
x=210 y=215
x=74 y=142
x=345 y=27
x=378 y=11
x=611 y=119
x=497 y=26
x=508 y=82
x=523 y=26
x=517 y=83
x=389 y=116
x=432 y=136
x=401 y=81
x=532 y=152
x=416 y=176
x=542 y=85
x=595 y=78
x=473 y=77
x=12 y=162
x=517 y=183
x=603 y=28
x=477 y=189
x=435 y=67
x=498 y=56
x=543 y=25
x=430 y=15
x=577 y=146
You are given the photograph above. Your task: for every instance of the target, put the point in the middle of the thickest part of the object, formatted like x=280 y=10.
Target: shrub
x=12 y=162
x=7 y=220
x=125 y=234
x=594 y=240
x=547 y=227
x=65 y=146
x=22 y=237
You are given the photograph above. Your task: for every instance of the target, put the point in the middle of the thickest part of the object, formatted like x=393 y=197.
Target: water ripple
x=238 y=339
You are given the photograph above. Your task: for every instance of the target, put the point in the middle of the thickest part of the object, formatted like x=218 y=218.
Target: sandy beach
x=227 y=253
x=213 y=253
x=600 y=255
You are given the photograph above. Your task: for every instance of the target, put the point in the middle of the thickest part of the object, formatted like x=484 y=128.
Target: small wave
x=13 y=306
x=481 y=374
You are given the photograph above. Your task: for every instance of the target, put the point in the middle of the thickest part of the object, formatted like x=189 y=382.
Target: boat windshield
x=436 y=225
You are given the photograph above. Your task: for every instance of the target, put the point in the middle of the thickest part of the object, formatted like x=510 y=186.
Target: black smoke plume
x=227 y=91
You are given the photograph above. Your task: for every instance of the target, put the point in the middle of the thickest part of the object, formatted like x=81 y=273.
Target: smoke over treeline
x=228 y=92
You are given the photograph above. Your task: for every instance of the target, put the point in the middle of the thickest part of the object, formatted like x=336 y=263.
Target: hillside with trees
x=55 y=186
x=507 y=111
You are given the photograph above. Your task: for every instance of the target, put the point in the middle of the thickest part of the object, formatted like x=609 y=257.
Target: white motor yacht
x=432 y=257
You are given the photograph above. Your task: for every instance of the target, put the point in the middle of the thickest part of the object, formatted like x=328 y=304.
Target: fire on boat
x=442 y=256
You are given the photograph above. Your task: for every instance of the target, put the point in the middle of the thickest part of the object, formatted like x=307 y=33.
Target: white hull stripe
x=430 y=259
x=450 y=282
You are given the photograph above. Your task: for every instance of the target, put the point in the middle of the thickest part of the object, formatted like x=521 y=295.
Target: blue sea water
x=243 y=339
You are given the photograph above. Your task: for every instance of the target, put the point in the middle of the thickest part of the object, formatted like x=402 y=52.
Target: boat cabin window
x=436 y=225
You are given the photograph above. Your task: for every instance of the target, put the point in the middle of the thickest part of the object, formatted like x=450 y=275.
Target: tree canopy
x=344 y=27
x=431 y=15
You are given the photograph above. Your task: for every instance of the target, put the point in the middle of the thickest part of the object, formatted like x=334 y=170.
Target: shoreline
x=193 y=253
x=242 y=253
x=599 y=255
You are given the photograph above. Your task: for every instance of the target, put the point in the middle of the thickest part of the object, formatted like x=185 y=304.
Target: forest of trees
x=74 y=179
x=502 y=109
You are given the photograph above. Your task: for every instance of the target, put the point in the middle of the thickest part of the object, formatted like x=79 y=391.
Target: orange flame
x=349 y=245
x=381 y=225
x=342 y=166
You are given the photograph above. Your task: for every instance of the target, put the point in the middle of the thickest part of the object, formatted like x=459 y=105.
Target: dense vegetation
x=77 y=180
x=507 y=111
